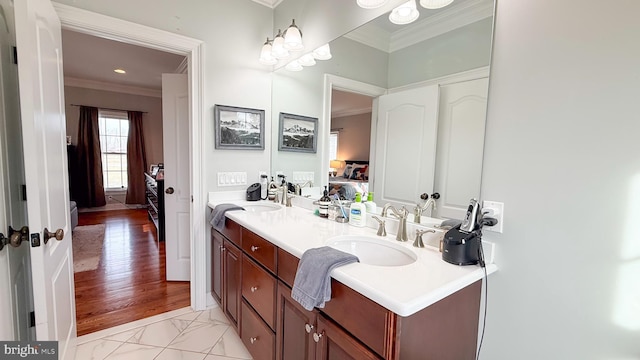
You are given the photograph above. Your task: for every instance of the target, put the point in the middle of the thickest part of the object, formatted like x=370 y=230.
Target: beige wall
x=354 y=136
x=152 y=119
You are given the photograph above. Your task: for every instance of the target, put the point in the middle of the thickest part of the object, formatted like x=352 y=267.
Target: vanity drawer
x=287 y=267
x=259 y=289
x=256 y=336
x=260 y=249
x=231 y=231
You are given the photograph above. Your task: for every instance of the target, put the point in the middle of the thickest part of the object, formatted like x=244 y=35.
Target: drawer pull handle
x=254 y=289
x=222 y=248
x=254 y=248
x=253 y=339
x=316 y=336
x=308 y=328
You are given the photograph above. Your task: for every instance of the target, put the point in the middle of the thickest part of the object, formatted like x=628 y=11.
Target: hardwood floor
x=129 y=284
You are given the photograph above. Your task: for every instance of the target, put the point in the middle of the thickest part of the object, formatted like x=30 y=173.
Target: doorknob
x=58 y=235
x=16 y=237
x=3 y=241
x=169 y=190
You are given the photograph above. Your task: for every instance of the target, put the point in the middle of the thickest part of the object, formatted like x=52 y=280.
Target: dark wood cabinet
x=216 y=265
x=155 y=203
x=252 y=280
x=231 y=284
x=333 y=343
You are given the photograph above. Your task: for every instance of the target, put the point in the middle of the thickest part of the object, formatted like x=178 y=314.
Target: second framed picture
x=297 y=133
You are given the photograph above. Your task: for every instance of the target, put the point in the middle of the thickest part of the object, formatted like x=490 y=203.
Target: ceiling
x=89 y=59
x=345 y=103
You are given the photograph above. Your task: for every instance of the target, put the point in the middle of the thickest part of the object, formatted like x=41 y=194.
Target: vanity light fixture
x=405 y=13
x=266 y=55
x=434 y=4
x=119 y=71
x=293 y=66
x=293 y=37
x=322 y=53
x=278 y=49
x=307 y=60
x=371 y=4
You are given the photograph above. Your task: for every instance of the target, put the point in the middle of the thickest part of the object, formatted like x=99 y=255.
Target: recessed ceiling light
x=120 y=71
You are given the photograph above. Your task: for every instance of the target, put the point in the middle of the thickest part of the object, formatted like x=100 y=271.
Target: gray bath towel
x=312 y=285
x=217 y=215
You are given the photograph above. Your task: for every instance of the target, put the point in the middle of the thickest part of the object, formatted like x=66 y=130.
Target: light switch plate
x=495 y=210
x=232 y=178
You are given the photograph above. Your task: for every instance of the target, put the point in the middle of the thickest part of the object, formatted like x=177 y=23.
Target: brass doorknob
x=169 y=190
x=16 y=237
x=58 y=235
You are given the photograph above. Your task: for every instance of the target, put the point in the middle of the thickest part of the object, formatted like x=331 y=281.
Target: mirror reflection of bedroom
x=350 y=144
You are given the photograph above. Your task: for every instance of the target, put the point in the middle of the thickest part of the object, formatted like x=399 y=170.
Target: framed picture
x=238 y=128
x=297 y=133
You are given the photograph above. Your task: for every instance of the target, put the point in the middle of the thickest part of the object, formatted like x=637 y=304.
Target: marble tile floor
x=182 y=334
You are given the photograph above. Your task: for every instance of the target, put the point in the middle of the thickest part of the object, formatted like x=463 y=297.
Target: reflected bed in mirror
x=352 y=179
x=442 y=49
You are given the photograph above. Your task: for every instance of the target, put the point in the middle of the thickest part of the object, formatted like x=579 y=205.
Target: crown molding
x=104 y=86
x=455 y=17
x=269 y=3
x=350 y=112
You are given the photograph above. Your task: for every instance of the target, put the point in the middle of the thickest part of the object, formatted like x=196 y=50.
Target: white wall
x=562 y=153
x=151 y=123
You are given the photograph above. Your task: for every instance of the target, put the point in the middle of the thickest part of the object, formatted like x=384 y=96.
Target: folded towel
x=312 y=285
x=217 y=215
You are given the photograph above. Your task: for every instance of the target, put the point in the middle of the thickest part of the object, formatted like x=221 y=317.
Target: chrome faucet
x=298 y=187
x=430 y=202
x=418 y=242
x=382 y=231
x=402 y=215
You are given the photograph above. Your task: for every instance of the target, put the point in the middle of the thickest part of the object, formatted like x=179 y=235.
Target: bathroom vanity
x=427 y=309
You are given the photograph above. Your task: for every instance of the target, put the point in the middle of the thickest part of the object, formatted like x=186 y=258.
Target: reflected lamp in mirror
x=335 y=165
x=434 y=4
x=370 y=4
x=405 y=13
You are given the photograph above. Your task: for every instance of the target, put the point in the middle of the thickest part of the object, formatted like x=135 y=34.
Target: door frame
x=103 y=26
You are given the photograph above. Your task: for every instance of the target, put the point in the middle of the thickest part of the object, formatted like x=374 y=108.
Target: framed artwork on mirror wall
x=238 y=128
x=297 y=133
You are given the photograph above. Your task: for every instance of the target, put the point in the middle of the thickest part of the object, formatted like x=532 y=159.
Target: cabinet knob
x=254 y=248
x=222 y=248
x=308 y=328
x=253 y=339
x=316 y=336
x=254 y=289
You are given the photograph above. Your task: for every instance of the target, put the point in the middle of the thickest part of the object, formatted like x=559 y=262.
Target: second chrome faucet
x=402 y=215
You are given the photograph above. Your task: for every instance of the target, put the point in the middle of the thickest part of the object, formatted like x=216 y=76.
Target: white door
x=15 y=266
x=461 y=124
x=405 y=146
x=39 y=44
x=175 y=137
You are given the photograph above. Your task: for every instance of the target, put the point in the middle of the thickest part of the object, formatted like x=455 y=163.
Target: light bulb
x=434 y=4
x=293 y=38
x=405 y=13
x=266 y=56
x=278 y=47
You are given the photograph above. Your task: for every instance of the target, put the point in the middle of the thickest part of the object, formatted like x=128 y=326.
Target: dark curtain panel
x=136 y=160
x=90 y=192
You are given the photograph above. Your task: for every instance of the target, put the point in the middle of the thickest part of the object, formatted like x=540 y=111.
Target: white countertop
x=402 y=289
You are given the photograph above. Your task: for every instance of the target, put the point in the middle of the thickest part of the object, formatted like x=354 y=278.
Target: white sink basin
x=373 y=250
x=261 y=207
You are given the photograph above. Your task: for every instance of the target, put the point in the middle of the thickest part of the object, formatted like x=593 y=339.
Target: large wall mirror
x=380 y=62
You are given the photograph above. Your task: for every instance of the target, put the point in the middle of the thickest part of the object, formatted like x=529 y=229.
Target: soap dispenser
x=324 y=203
x=272 y=189
x=369 y=204
x=358 y=212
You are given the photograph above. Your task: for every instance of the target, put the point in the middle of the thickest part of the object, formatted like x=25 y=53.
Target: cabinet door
x=294 y=328
x=231 y=294
x=216 y=265
x=333 y=343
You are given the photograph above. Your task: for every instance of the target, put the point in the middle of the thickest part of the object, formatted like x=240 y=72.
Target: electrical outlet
x=495 y=210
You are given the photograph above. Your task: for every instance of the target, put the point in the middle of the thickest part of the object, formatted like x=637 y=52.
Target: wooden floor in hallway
x=129 y=284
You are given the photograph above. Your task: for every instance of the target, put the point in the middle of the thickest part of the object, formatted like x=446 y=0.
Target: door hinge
x=24 y=192
x=32 y=319
x=15 y=55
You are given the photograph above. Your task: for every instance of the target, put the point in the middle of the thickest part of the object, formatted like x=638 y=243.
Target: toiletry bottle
x=369 y=204
x=324 y=203
x=358 y=212
x=264 y=187
x=272 y=189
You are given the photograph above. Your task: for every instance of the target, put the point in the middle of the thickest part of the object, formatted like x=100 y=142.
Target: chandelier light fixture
x=291 y=40
x=278 y=49
x=405 y=13
x=434 y=4
x=371 y=4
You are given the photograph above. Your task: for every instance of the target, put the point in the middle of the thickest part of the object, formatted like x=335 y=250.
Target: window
x=333 y=145
x=114 y=131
